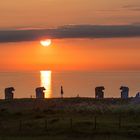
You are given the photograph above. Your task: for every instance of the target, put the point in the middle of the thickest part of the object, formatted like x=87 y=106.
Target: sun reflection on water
x=45 y=78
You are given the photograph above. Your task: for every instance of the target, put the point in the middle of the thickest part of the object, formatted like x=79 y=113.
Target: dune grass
x=71 y=118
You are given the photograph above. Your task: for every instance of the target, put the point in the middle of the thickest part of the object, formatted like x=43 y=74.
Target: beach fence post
x=46 y=124
x=120 y=122
x=95 y=123
x=20 y=125
x=71 y=124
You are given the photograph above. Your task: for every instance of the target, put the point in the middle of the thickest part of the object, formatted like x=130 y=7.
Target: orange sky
x=50 y=13
x=70 y=54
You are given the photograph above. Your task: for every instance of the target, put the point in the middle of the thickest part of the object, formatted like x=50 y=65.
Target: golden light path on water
x=45 y=78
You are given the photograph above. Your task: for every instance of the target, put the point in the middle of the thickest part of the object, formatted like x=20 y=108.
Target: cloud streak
x=70 y=31
x=132 y=7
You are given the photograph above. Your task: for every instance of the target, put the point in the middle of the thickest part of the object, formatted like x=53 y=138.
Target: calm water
x=74 y=83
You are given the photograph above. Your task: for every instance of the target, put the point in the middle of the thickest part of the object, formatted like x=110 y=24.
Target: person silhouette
x=62 y=92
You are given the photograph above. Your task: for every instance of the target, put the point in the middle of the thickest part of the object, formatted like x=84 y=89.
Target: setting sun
x=46 y=43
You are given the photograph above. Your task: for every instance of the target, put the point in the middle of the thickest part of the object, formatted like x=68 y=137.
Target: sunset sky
x=86 y=35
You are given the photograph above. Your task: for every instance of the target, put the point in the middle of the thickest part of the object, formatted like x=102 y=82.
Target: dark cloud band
x=71 y=31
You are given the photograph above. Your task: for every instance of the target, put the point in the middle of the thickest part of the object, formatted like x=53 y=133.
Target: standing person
x=62 y=92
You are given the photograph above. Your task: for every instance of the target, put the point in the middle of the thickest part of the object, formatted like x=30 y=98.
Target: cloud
x=132 y=7
x=70 y=31
x=136 y=23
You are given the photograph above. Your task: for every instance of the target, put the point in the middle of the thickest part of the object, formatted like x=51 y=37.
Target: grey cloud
x=135 y=9
x=132 y=7
x=108 y=10
x=136 y=23
x=71 y=31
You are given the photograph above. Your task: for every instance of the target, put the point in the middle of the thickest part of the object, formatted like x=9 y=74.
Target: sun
x=46 y=43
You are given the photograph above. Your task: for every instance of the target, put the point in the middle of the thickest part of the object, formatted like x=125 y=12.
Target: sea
x=74 y=83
